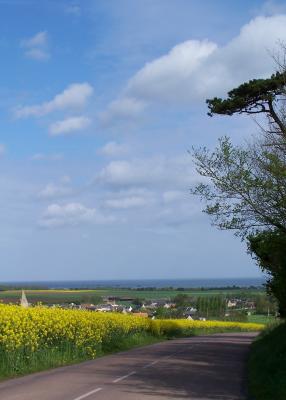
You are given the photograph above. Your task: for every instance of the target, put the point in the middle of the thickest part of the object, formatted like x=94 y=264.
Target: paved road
x=199 y=368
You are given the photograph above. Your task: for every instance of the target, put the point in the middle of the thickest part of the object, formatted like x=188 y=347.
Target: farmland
x=262 y=319
x=90 y=296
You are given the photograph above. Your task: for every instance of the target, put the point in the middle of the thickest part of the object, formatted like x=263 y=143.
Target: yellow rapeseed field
x=35 y=328
x=37 y=338
x=38 y=327
x=183 y=327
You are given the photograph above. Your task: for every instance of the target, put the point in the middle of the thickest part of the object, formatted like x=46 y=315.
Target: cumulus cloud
x=125 y=173
x=69 y=125
x=72 y=214
x=36 y=47
x=73 y=97
x=146 y=172
x=127 y=202
x=195 y=70
x=51 y=191
x=113 y=149
x=168 y=75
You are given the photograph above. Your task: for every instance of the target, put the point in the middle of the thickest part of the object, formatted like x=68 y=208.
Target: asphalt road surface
x=199 y=368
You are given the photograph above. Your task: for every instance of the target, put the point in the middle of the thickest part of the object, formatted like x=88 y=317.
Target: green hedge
x=267 y=365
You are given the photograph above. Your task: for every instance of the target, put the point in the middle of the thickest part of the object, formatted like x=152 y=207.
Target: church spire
x=24 y=302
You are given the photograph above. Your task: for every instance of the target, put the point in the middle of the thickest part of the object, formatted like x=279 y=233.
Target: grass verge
x=19 y=363
x=267 y=365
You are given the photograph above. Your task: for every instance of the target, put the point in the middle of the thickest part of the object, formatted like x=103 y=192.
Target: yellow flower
x=38 y=327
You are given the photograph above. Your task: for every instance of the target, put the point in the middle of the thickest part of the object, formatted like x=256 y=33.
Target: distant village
x=180 y=307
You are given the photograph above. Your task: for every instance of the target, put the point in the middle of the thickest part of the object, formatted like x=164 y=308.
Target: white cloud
x=51 y=191
x=40 y=39
x=195 y=70
x=127 y=202
x=37 y=54
x=2 y=149
x=156 y=172
x=36 y=47
x=125 y=173
x=47 y=157
x=166 y=77
x=69 y=125
x=171 y=196
x=113 y=149
x=72 y=214
x=74 y=96
x=122 y=109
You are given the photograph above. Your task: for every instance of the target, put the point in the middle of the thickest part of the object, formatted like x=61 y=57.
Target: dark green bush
x=267 y=365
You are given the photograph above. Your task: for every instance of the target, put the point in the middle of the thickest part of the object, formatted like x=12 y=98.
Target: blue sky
x=99 y=103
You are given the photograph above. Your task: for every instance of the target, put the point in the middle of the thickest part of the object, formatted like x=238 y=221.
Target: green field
x=261 y=319
x=91 y=296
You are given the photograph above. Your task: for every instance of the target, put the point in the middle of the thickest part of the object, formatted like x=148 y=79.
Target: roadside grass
x=19 y=363
x=138 y=339
x=267 y=365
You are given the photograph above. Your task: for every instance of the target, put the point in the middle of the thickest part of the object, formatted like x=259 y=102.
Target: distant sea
x=141 y=283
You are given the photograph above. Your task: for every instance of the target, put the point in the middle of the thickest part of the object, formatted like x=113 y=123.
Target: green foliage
x=236 y=315
x=245 y=189
x=181 y=300
x=138 y=302
x=254 y=97
x=269 y=249
x=267 y=365
x=169 y=313
x=246 y=186
x=265 y=305
x=213 y=306
x=250 y=97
